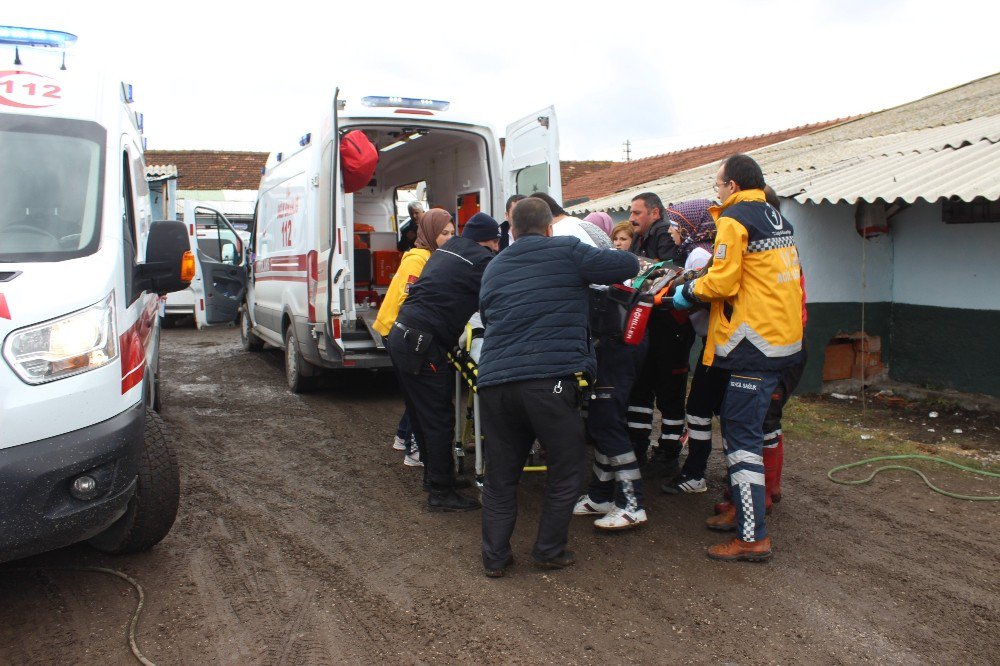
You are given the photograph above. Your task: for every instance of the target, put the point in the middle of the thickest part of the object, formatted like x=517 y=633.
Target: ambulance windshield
x=51 y=172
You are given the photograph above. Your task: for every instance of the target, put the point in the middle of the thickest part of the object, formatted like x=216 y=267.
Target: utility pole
x=627 y=150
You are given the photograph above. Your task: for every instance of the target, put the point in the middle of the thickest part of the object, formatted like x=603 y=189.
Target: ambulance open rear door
x=531 y=156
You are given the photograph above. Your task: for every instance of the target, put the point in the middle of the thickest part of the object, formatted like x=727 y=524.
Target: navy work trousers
x=748 y=395
x=616 y=469
x=514 y=416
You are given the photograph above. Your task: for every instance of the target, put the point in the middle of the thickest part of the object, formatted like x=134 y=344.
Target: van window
x=534 y=178
x=51 y=188
x=128 y=230
x=216 y=240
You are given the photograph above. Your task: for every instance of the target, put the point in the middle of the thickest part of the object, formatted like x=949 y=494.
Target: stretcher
x=465 y=359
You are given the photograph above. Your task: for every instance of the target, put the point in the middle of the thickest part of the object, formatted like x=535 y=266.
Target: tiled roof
x=212 y=169
x=601 y=182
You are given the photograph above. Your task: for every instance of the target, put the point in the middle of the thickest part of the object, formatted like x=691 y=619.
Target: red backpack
x=358 y=159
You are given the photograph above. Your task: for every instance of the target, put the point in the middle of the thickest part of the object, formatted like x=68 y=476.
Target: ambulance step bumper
x=40 y=513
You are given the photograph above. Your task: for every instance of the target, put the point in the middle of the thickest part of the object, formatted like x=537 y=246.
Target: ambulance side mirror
x=165 y=248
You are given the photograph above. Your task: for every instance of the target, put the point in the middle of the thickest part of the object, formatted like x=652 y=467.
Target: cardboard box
x=386 y=265
x=838 y=362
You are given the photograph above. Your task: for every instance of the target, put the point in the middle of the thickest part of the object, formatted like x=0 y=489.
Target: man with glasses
x=754 y=331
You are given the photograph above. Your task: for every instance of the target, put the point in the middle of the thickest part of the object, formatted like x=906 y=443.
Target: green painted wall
x=928 y=346
x=946 y=348
x=827 y=320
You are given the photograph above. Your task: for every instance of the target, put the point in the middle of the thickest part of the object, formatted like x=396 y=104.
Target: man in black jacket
x=439 y=304
x=535 y=305
x=665 y=371
x=505 y=225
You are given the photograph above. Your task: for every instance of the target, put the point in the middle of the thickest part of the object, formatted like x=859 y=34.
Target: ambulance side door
x=220 y=254
x=531 y=156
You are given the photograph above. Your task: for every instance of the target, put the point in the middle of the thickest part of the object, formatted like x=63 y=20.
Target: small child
x=621 y=235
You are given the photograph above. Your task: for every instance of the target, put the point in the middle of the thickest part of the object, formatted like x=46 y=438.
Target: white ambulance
x=82 y=453
x=218 y=288
x=322 y=259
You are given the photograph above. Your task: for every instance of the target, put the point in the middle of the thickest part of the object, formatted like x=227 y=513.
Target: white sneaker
x=413 y=459
x=621 y=519
x=399 y=443
x=587 y=507
x=681 y=485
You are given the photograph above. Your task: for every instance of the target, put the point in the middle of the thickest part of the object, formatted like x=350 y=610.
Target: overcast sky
x=663 y=75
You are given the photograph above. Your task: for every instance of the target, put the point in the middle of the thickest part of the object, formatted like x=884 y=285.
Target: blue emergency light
x=406 y=103
x=35 y=37
x=306 y=138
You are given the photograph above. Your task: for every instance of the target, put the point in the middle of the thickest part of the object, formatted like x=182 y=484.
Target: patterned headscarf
x=430 y=227
x=695 y=223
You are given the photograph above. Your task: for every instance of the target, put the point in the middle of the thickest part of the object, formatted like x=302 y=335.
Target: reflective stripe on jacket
x=754 y=287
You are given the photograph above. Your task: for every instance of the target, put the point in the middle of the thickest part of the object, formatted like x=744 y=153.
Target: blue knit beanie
x=481 y=227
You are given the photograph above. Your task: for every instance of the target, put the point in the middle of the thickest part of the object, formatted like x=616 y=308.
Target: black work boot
x=459 y=483
x=448 y=500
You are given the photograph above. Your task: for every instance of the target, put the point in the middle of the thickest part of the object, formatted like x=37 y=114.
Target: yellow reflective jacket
x=755 y=322
x=410 y=267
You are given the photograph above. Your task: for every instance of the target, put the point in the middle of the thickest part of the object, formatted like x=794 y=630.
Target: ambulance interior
x=450 y=167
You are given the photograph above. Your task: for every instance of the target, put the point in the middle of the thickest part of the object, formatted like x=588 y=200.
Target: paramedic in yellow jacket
x=434 y=228
x=754 y=331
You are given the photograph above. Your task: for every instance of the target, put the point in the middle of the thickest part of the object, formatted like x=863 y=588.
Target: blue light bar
x=139 y=119
x=304 y=141
x=127 y=93
x=35 y=37
x=406 y=103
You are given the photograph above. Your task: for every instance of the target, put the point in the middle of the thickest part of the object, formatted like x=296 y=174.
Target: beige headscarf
x=430 y=227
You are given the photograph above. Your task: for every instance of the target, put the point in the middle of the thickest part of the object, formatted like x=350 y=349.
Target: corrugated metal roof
x=945 y=145
x=161 y=172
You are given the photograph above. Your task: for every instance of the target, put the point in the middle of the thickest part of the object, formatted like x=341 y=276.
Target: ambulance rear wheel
x=251 y=342
x=153 y=507
x=298 y=371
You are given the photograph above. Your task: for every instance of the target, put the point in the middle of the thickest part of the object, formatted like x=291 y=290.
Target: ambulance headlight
x=78 y=342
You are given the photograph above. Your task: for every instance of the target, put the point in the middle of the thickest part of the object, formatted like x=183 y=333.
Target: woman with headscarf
x=434 y=228
x=693 y=230
x=601 y=220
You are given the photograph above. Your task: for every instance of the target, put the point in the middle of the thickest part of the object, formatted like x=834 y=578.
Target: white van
x=82 y=453
x=218 y=288
x=322 y=259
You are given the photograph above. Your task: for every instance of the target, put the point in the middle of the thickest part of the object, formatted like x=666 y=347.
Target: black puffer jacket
x=447 y=292
x=535 y=305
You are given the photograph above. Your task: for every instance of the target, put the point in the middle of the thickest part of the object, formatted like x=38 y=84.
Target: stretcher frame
x=467 y=372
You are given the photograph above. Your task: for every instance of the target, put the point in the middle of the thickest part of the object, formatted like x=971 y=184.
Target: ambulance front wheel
x=153 y=507
x=299 y=373
x=250 y=342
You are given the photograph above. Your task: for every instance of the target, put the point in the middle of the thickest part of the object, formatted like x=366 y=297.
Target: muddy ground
x=302 y=539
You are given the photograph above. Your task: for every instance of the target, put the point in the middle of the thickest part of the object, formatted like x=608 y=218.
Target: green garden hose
x=858 y=482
